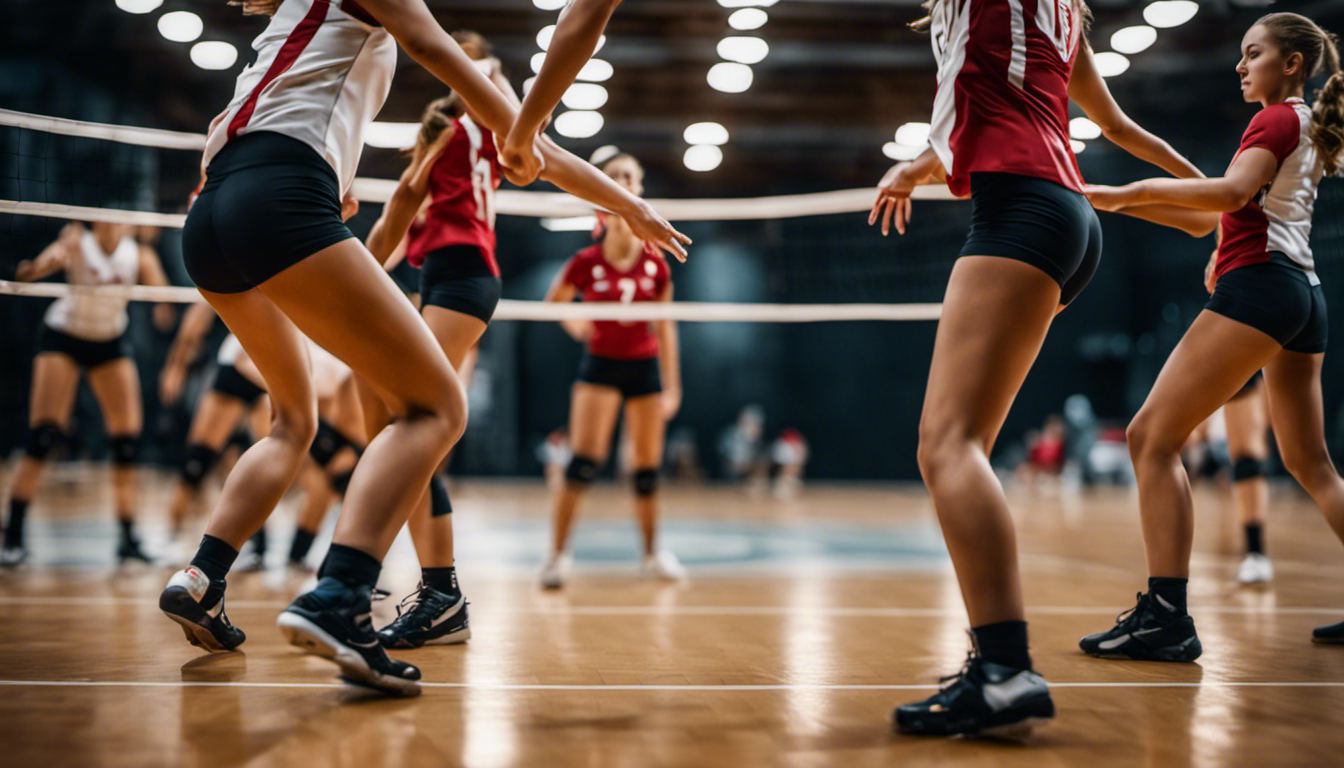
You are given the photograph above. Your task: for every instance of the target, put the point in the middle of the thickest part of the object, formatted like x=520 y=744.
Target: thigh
x=1296 y=406
x=216 y=418
x=1247 y=419
x=457 y=333
x=645 y=424
x=117 y=387
x=592 y=418
x=55 y=380
x=996 y=313
x=274 y=345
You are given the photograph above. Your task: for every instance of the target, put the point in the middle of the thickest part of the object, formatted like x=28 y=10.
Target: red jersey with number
x=597 y=280
x=1279 y=218
x=1003 y=89
x=461 y=208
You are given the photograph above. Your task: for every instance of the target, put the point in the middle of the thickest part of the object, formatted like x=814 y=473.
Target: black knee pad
x=581 y=470
x=340 y=483
x=43 y=438
x=125 y=449
x=439 y=503
x=646 y=482
x=240 y=439
x=200 y=460
x=326 y=444
x=1247 y=468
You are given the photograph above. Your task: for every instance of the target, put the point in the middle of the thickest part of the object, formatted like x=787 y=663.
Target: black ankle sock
x=214 y=557
x=259 y=542
x=18 y=513
x=1003 y=642
x=1170 y=590
x=347 y=564
x=439 y=503
x=442 y=579
x=1255 y=539
x=298 y=548
x=127 y=526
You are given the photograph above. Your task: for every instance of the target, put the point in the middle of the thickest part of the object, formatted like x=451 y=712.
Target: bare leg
x=215 y=419
x=592 y=417
x=1296 y=409
x=1247 y=422
x=644 y=422
x=55 y=377
x=117 y=387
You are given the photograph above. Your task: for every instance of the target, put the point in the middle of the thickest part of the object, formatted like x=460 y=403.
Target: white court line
x=630 y=688
x=715 y=610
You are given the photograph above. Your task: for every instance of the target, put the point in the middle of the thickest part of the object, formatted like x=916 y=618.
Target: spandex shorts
x=86 y=354
x=1277 y=298
x=1037 y=222
x=228 y=381
x=634 y=378
x=457 y=277
x=269 y=202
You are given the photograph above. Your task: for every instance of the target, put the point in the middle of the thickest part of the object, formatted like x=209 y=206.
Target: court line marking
x=631 y=688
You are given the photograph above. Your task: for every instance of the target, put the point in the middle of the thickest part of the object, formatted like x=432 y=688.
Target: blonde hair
x=1319 y=50
x=439 y=114
x=258 y=7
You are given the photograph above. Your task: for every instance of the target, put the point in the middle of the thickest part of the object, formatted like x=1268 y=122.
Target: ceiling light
x=537 y=60
x=528 y=83
x=900 y=151
x=596 y=71
x=578 y=124
x=1082 y=128
x=138 y=6
x=913 y=134
x=391 y=135
x=1077 y=145
x=544 y=37
x=550 y=5
x=1133 y=39
x=1170 y=13
x=1110 y=64
x=730 y=78
x=744 y=50
x=706 y=133
x=747 y=3
x=748 y=18
x=181 y=26
x=585 y=96
x=703 y=157
x=214 y=54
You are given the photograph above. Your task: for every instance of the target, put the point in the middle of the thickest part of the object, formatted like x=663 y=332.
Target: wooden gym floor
x=804 y=623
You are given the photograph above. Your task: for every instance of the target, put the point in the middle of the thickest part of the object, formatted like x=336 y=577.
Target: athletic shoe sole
x=1327 y=640
x=304 y=634
x=452 y=638
x=1183 y=653
x=176 y=604
x=1012 y=730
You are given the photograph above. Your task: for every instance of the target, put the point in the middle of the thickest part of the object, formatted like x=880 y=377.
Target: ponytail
x=1327 y=123
x=438 y=115
x=258 y=7
x=1320 y=53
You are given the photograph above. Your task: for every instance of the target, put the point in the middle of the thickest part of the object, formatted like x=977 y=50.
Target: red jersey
x=462 y=187
x=1003 y=89
x=597 y=280
x=1279 y=218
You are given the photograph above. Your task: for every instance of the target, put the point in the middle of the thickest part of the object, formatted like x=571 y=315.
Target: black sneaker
x=427 y=617
x=1331 y=634
x=129 y=549
x=1150 y=631
x=192 y=601
x=334 y=621
x=984 y=699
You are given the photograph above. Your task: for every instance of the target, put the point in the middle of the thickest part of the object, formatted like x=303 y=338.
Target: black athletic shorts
x=634 y=378
x=1038 y=222
x=457 y=277
x=268 y=203
x=1249 y=386
x=1275 y=297
x=86 y=354
x=228 y=381
x=406 y=277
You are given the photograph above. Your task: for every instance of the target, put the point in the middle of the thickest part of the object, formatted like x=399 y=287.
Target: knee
x=294 y=424
x=1145 y=438
x=940 y=447
x=43 y=438
x=125 y=450
x=1310 y=468
x=581 y=471
x=449 y=411
x=646 y=482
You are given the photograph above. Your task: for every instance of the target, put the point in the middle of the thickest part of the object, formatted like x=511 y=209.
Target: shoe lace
x=949 y=681
x=410 y=601
x=1141 y=600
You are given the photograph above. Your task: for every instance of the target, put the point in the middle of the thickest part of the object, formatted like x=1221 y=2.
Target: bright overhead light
x=703 y=157
x=748 y=18
x=570 y=224
x=391 y=135
x=138 y=6
x=537 y=60
x=900 y=151
x=744 y=50
x=1110 y=64
x=596 y=71
x=550 y=5
x=181 y=26
x=1170 y=13
x=585 y=96
x=528 y=83
x=1133 y=39
x=578 y=124
x=913 y=134
x=544 y=37
x=1077 y=145
x=747 y=3
x=706 y=133
x=214 y=54
x=729 y=77
x=1082 y=128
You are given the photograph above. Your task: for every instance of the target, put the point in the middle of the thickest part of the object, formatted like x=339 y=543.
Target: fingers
x=887 y=213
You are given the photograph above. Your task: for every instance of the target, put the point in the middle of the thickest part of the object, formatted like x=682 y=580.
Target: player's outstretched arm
x=1250 y=172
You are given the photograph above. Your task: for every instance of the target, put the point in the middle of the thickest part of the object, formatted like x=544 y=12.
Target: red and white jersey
x=597 y=280
x=1003 y=88
x=462 y=186
x=323 y=70
x=1279 y=218
x=96 y=318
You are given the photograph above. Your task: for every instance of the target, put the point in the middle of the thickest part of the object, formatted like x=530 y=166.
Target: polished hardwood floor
x=803 y=624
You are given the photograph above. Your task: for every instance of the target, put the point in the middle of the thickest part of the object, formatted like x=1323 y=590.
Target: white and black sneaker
x=983 y=699
x=13 y=555
x=1153 y=630
x=427 y=617
x=334 y=621
x=190 y=599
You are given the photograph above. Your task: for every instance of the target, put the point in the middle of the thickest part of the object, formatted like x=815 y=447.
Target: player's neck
x=107 y=242
x=1283 y=93
x=620 y=247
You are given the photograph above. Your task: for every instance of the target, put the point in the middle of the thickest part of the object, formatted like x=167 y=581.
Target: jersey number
x=627 y=286
x=482 y=189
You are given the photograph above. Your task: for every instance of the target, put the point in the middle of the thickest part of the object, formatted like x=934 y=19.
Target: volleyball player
x=1006 y=72
x=630 y=366
x=267 y=247
x=84 y=334
x=1247 y=419
x=1267 y=312
x=454 y=164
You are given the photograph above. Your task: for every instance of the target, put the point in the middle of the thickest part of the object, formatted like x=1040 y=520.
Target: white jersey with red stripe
x=1279 y=218
x=96 y=318
x=323 y=71
x=1003 y=88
